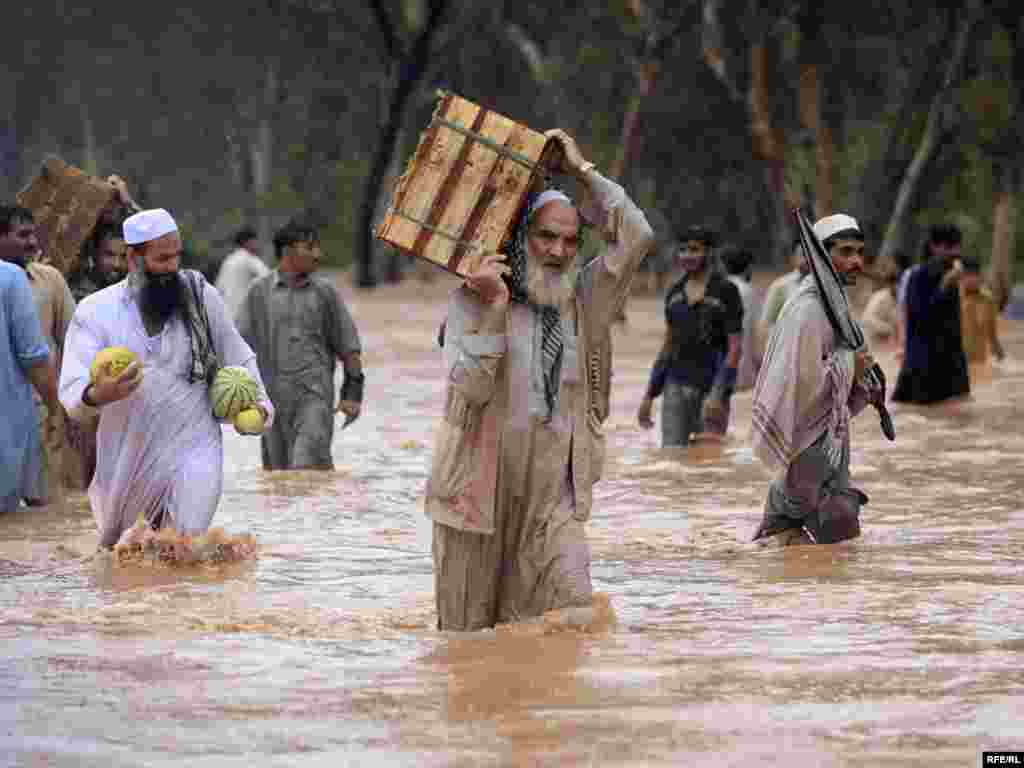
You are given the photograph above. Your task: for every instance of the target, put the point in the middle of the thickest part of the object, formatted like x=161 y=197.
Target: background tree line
x=723 y=112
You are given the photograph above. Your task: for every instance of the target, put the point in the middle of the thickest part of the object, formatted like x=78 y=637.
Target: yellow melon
x=249 y=421
x=118 y=358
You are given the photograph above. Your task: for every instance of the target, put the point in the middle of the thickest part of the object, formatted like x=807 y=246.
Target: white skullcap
x=144 y=226
x=548 y=196
x=837 y=222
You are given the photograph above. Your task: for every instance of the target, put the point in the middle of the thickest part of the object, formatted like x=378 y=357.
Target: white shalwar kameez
x=159 y=451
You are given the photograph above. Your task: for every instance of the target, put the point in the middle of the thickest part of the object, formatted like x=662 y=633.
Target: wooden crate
x=66 y=203
x=463 y=187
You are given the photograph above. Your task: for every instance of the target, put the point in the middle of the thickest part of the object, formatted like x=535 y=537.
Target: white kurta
x=160 y=449
x=238 y=272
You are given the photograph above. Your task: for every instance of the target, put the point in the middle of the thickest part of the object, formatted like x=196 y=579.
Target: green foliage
x=985 y=101
x=281 y=199
x=966 y=199
x=602 y=140
x=863 y=141
x=589 y=55
x=801 y=171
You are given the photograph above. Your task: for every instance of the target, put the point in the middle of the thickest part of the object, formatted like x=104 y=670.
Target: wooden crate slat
x=511 y=183
x=452 y=186
x=407 y=179
x=464 y=184
x=481 y=161
x=426 y=178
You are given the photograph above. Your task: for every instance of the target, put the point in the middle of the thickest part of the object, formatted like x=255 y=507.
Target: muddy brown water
x=902 y=648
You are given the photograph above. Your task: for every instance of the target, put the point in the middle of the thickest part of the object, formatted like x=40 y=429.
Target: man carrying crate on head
x=520 y=446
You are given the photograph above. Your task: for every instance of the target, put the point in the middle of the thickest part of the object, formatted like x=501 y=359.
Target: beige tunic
x=881 y=317
x=55 y=306
x=510 y=488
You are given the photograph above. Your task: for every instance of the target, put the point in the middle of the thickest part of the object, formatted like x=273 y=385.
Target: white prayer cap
x=837 y=222
x=144 y=226
x=548 y=196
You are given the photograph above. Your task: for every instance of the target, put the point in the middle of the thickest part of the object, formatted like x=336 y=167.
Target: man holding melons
x=143 y=353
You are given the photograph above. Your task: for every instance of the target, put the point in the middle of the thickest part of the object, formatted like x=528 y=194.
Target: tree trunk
x=395 y=259
x=941 y=121
x=262 y=149
x=1003 y=230
x=811 y=117
x=768 y=145
x=658 y=35
x=812 y=56
x=1007 y=169
x=647 y=71
x=412 y=69
x=711 y=46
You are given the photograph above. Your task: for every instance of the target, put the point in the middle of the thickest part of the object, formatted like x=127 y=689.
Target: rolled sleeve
x=628 y=238
x=341 y=329
x=29 y=344
x=80 y=347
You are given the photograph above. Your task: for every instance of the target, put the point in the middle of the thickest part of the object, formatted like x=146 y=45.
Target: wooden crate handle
x=512 y=155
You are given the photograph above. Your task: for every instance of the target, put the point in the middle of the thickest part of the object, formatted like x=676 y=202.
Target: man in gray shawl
x=807 y=390
x=520 y=445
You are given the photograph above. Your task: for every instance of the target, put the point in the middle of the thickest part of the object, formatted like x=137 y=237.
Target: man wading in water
x=696 y=367
x=160 y=451
x=519 y=447
x=807 y=390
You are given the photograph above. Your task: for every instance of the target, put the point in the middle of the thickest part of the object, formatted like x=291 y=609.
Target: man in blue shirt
x=24 y=362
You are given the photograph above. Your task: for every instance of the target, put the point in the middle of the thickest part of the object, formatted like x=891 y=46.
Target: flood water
x=904 y=647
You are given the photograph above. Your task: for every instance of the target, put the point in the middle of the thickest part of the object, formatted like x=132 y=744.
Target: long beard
x=550 y=287
x=161 y=296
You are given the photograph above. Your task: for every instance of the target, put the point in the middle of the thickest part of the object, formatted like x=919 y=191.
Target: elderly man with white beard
x=520 y=446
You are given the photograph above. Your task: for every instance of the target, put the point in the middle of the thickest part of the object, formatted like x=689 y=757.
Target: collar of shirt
x=281 y=280
x=712 y=286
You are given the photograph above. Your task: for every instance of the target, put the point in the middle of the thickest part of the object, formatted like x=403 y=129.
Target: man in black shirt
x=696 y=367
x=934 y=366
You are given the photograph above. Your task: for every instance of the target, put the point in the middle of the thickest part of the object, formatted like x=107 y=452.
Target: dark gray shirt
x=298 y=332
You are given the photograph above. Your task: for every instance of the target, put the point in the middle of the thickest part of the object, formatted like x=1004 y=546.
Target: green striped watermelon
x=233 y=390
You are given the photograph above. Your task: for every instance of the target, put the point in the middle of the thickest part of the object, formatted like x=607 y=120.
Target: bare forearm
x=997 y=348
x=44 y=378
x=352 y=362
x=732 y=355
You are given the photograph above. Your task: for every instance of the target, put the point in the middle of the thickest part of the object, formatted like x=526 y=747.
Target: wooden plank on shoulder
x=509 y=183
x=424 y=180
x=481 y=161
x=66 y=204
